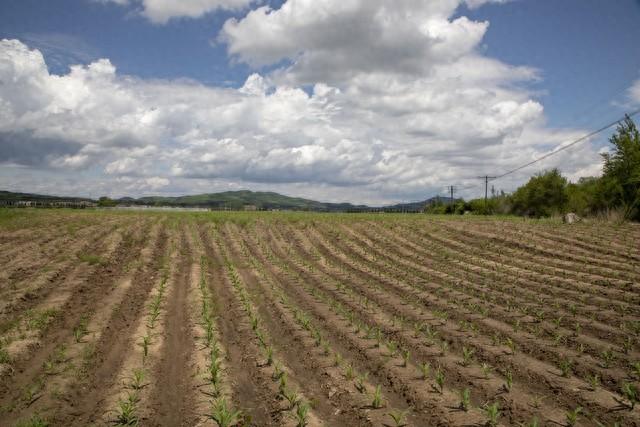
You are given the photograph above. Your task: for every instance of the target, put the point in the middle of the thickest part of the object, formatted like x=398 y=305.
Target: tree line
x=549 y=193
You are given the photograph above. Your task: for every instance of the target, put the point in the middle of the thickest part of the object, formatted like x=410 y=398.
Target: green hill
x=234 y=200
x=240 y=199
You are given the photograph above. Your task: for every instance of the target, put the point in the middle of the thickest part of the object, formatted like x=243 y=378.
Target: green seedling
x=146 y=341
x=349 y=373
x=566 y=367
x=34 y=421
x=337 y=360
x=444 y=347
x=277 y=371
x=486 y=370
x=360 y=382
x=405 y=357
x=223 y=415
x=594 y=381
x=630 y=392
x=292 y=397
x=376 y=402
x=393 y=348
x=492 y=413
x=215 y=371
x=533 y=423
x=127 y=409
x=399 y=417
x=508 y=376
x=81 y=330
x=607 y=358
x=467 y=356
x=465 y=399
x=635 y=369
x=572 y=416
x=302 y=414
x=425 y=369
x=137 y=380
x=282 y=385
x=269 y=355
x=440 y=380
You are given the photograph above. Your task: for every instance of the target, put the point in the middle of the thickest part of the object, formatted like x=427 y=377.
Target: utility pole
x=451 y=188
x=486 y=186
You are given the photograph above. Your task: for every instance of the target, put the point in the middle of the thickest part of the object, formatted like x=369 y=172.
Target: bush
x=544 y=195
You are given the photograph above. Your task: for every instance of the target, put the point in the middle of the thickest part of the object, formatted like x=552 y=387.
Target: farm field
x=286 y=319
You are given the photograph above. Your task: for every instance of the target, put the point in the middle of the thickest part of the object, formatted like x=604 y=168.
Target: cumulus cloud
x=373 y=102
x=474 y=4
x=334 y=40
x=161 y=11
x=634 y=92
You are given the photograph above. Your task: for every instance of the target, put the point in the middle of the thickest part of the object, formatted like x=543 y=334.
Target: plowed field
x=279 y=319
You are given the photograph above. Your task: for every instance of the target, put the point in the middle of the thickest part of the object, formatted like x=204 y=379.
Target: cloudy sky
x=368 y=101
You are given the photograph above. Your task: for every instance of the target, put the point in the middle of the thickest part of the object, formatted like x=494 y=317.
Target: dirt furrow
x=172 y=402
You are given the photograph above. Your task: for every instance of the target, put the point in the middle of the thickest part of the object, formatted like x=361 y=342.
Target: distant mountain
x=241 y=200
x=236 y=200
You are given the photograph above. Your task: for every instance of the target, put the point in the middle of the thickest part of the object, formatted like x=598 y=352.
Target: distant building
x=250 y=208
x=73 y=204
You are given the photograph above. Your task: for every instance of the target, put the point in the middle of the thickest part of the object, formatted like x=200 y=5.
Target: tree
x=106 y=202
x=621 y=178
x=544 y=195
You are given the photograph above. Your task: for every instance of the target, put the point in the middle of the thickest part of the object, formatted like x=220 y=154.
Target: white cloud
x=634 y=92
x=474 y=4
x=333 y=40
x=400 y=103
x=162 y=11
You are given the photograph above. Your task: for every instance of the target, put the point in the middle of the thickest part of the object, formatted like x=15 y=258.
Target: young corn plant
x=337 y=360
x=376 y=401
x=492 y=413
x=635 y=369
x=594 y=381
x=269 y=355
x=146 y=340
x=349 y=373
x=292 y=397
x=566 y=367
x=508 y=378
x=282 y=385
x=533 y=423
x=399 y=417
x=127 y=411
x=444 y=347
x=137 y=379
x=572 y=416
x=607 y=357
x=467 y=356
x=511 y=345
x=405 y=357
x=486 y=370
x=392 y=347
x=277 y=371
x=302 y=414
x=465 y=399
x=360 y=382
x=81 y=330
x=630 y=392
x=223 y=415
x=425 y=369
x=440 y=380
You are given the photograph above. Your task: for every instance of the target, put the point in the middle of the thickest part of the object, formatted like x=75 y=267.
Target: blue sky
x=573 y=64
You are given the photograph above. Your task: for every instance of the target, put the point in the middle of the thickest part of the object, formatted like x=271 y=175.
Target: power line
x=581 y=139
